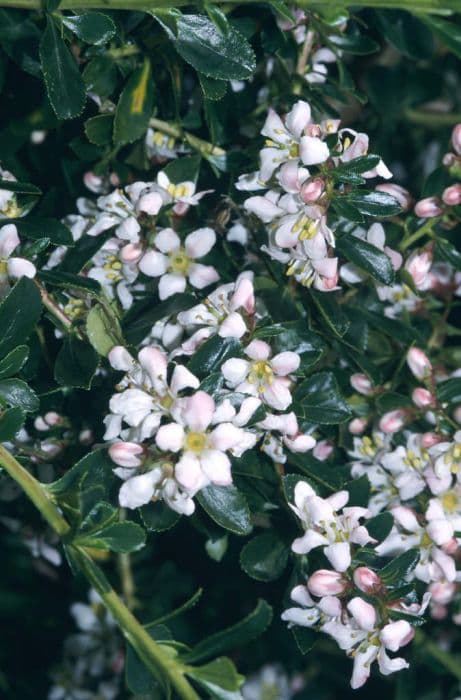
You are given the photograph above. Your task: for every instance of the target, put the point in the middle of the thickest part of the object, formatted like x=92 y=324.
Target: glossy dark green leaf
x=138 y=323
x=11 y=422
x=265 y=557
x=64 y=84
x=219 y=677
x=15 y=392
x=37 y=228
x=215 y=54
x=407 y=33
x=391 y=400
x=211 y=355
x=296 y=337
x=330 y=311
x=232 y=637
x=447 y=251
x=100 y=75
x=135 y=105
x=375 y=203
x=212 y=89
x=186 y=168
x=319 y=400
x=359 y=492
x=20 y=187
x=99 y=129
x=68 y=280
x=305 y=638
x=118 y=537
x=322 y=475
x=227 y=506
x=356 y=166
x=158 y=517
x=366 y=256
x=76 y=364
x=449 y=391
x=91 y=27
x=13 y=361
x=354 y=43
x=94 y=468
x=19 y=313
x=448 y=32
x=380 y=526
x=397 y=571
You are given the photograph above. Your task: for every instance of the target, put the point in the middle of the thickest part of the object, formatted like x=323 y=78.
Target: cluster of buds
x=430 y=207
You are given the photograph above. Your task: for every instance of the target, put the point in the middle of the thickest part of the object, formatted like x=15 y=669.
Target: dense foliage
x=230 y=385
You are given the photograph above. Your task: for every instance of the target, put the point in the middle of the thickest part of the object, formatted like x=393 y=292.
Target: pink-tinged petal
x=150 y=203
x=388 y=665
x=131 y=253
x=359 y=146
x=226 y=436
x=285 y=362
x=126 y=454
x=188 y=473
x=300 y=595
x=277 y=395
x=338 y=500
x=258 y=350
x=396 y=634
x=394 y=256
x=19 y=267
x=243 y=296
x=154 y=362
x=376 y=236
x=120 y=359
x=303 y=492
x=170 y=437
x=310 y=540
x=247 y=410
x=445 y=563
x=103 y=223
x=298 y=118
x=233 y=326
x=9 y=240
x=171 y=284
x=288 y=176
x=153 y=264
x=363 y=613
x=285 y=236
x=199 y=410
x=201 y=276
x=270 y=159
x=138 y=490
x=235 y=370
x=217 y=467
x=200 y=242
x=339 y=555
x=362 y=664
x=313 y=150
x=181 y=379
x=167 y=240
x=303 y=617
x=440 y=531
x=128 y=230
x=301 y=443
x=406 y=518
x=274 y=128
x=263 y=208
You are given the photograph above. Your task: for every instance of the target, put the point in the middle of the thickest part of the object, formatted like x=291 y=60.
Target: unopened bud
x=357 y=426
x=131 y=253
x=402 y=195
x=430 y=439
x=324 y=582
x=418 y=266
x=449 y=159
x=427 y=208
x=322 y=450
x=366 y=580
x=456 y=138
x=422 y=398
x=452 y=195
x=419 y=363
x=126 y=454
x=393 y=421
x=53 y=418
x=93 y=182
x=312 y=190
x=442 y=592
x=361 y=383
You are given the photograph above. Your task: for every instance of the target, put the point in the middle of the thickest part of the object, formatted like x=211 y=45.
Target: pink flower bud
x=397 y=634
x=452 y=195
x=357 y=426
x=312 y=190
x=366 y=580
x=457 y=414
x=456 y=138
x=451 y=546
x=361 y=383
x=53 y=418
x=427 y=208
x=439 y=612
x=449 y=159
x=93 y=182
x=313 y=130
x=393 y=421
x=442 y=592
x=419 y=363
x=402 y=195
x=131 y=253
x=430 y=439
x=363 y=612
x=422 y=398
x=418 y=266
x=86 y=436
x=324 y=582
x=41 y=424
x=114 y=180
x=322 y=450
x=126 y=454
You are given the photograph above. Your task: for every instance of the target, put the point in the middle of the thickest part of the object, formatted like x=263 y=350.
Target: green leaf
x=15 y=392
x=396 y=329
x=219 y=677
x=305 y=638
x=138 y=678
x=447 y=251
x=222 y=56
x=354 y=43
x=330 y=311
x=391 y=400
x=397 y=571
x=91 y=27
x=19 y=313
x=20 y=187
x=11 y=422
x=103 y=329
x=157 y=517
x=135 y=106
x=37 y=228
x=76 y=364
x=64 y=84
x=366 y=256
x=374 y=203
x=99 y=129
x=265 y=557
x=318 y=400
x=407 y=33
x=449 y=391
x=448 y=32
x=12 y=363
x=380 y=526
x=322 y=474
x=94 y=468
x=121 y=537
x=296 y=336
x=232 y=637
x=100 y=76
x=186 y=168
x=68 y=280
x=211 y=355
x=137 y=325
x=212 y=89
x=227 y=506
x=352 y=169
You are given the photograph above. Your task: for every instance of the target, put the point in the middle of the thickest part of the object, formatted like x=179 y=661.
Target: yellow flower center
x=450 y=502
x=179 y=262
x=294 y=150
x=196 y=442
x=3 y=267
x=11 y=211
x=305 y=228
x=426 y=540
x=261 y=373
x=112 y=266
x=177 y=191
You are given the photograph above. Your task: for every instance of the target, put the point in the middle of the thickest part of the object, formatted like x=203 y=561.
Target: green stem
x=443 y=657
x=176 y=132
x=424 y=6
x=424 y=230
x=157 y=660
x=432 y=119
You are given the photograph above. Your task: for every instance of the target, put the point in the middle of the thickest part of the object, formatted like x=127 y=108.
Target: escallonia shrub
x=230 y=370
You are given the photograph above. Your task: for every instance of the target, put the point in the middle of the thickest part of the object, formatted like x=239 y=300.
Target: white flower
x=317 y=72
x=406 y=466
x=287 y=435
x=11 y=267
x=9 y=208
x=114 y=276
x=202 y=440
x=325 y=528
x=310 y=613
x=183 y=193
x=354 y=145
x=176 y=264
x=261 y=376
